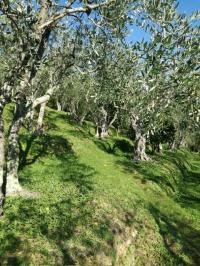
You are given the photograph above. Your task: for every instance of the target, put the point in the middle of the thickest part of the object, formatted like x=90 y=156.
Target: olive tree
x=31 y=25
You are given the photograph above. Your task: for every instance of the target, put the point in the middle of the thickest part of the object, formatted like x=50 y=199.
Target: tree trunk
x=97 y=131
x=183 y=142
x=102 y=125
x=30 y=117
x=22 y=109
x=140 y=140
x=182 y=139
x=1 y=158
x=41 y=116
x=82 y=119
x=59 y=106
x=140 y=149
x=176 y=142
x=171 y=145
x=12 y=182
x=160 y=148
x=101 y=131
x=104 y=130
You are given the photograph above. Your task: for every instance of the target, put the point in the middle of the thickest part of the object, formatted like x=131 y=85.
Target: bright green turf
x=91 y=192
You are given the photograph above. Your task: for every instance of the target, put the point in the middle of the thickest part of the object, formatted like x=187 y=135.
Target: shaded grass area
x=177 y=212
x=40 y=225
x=93 y=197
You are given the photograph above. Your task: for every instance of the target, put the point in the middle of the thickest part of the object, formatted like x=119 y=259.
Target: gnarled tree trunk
x=42 y=101
x=104 y=124
x=140 y=141
x=102 y=131
x=21 y=110
x=12 y=182
x=59 y=106
x=82 y=119
x=102 y=127
x=41 y=116
x=140 y=149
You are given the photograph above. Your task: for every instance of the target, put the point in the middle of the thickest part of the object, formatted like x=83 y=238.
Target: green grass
x=98 y=207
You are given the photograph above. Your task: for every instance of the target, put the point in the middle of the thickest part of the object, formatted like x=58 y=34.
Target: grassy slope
x=97 y=207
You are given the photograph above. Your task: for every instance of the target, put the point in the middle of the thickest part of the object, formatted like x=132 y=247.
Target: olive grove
x=74 y=55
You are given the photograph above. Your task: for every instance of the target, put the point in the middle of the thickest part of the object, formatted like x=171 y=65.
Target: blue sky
x=185 y=6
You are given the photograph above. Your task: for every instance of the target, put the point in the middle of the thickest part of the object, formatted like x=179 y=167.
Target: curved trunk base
x=140 y=150
x=13 y=187
x=104 y=134
x=101 y=133
x=142 y=157
x=18 y=191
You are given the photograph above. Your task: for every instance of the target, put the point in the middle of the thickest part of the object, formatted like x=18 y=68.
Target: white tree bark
x=82 y=119
x=104 y=129
x=59 y=106
x=140 y=149
x=140 y=141
x=41 y=116
x=12 y=182
x=102 y=125
x=42 y=101
x=160 y=148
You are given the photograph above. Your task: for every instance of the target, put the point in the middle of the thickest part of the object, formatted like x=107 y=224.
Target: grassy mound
x=95 y=206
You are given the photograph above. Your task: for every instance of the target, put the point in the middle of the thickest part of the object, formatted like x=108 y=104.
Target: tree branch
x=68 y=11
x=44 y=98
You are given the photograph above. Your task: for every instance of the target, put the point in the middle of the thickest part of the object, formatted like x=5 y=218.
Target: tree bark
x=172 y=145
x=42 y=101
x=102 y=127
x=140 y=149
x=160 y=148
x=21 y=111
x=97 y=131
x=41 y=116
x=102 y=131
x=140 y=141
x=82 y=119
x=12 y=182
x=177 y=141
x=59 y=106
x=30 y=117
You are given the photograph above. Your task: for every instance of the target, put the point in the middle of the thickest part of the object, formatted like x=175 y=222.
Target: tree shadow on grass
x=179 y=237
x=115 y=146
x=55 y=116
x=36 y=146
x=54 y=228
x=105 y=145
x=172 y=171
x=178 y=234
x=80 y=133
x=56 y=215
x=189 y=187
x=11 y=245
x=147 y=171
